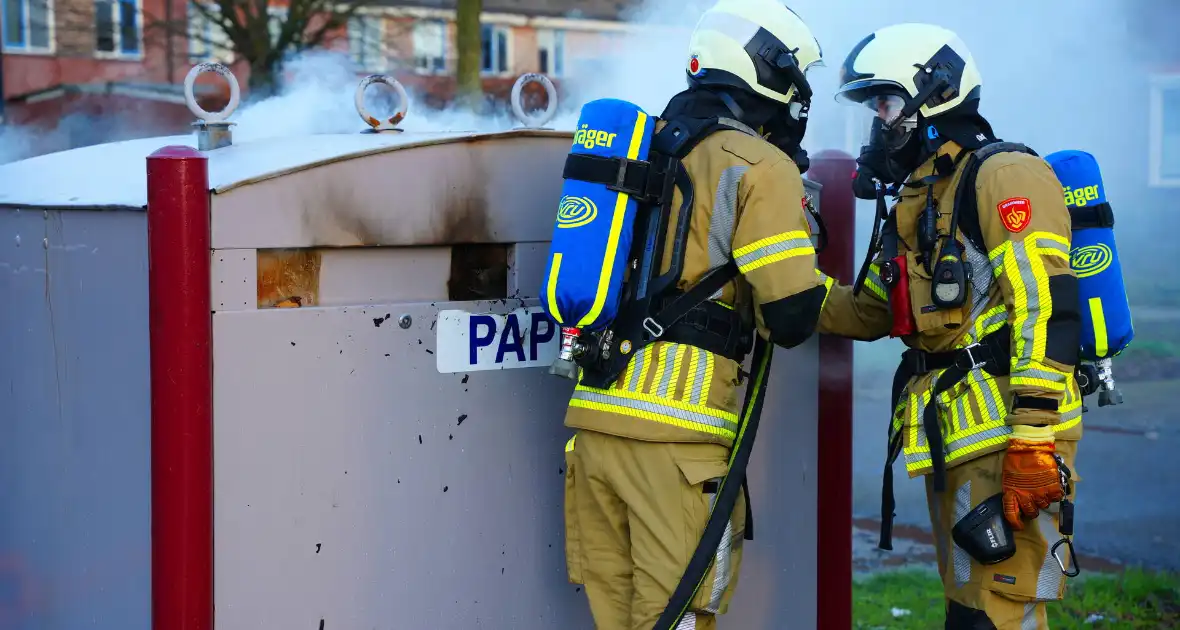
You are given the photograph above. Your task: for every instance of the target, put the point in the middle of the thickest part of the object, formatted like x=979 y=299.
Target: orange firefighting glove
x=1030 y=478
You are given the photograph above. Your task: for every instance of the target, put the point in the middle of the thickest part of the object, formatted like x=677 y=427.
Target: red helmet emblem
x=694 y=65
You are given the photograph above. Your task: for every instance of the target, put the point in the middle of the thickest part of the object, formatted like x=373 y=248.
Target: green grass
x=1135 y=600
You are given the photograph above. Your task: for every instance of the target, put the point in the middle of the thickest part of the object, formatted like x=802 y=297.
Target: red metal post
x=182 y=389
x=833 y=170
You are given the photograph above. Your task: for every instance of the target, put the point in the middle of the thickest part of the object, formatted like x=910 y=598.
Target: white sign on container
x=470 y=342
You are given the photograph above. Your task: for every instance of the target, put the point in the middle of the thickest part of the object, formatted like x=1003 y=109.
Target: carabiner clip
x=1073 y=557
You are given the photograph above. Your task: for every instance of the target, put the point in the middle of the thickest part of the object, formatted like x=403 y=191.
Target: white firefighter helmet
x=756 y=45
x=900 y=64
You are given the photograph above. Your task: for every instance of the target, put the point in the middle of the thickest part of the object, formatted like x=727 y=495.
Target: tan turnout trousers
x=635 y=512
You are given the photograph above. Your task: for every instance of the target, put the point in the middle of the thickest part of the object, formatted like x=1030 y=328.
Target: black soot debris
x=377 y=321
x=419 y=438
x=451 y=437
x=465 y=377
x=317 y=547
x=429 y=351
x=445 y=488
x=386 y=354
x=292 y=343
x=419 y=342
x=462 y=418
x=321 y=624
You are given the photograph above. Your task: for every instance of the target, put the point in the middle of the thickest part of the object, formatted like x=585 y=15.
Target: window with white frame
x=366 y=42
x=207 y=39
x=1165 y=131
x=430 y=46
x=28 y=25
x=551 y=52
x=116 y=27
x=495 y=50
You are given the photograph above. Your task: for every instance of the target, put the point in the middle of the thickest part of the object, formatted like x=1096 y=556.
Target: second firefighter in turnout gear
x=653 y=444
x=978 y=285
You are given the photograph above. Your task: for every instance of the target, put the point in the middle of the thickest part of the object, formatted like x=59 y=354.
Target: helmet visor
x=888 y=108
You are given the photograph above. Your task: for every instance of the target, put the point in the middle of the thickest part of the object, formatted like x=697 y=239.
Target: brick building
x=79 y=72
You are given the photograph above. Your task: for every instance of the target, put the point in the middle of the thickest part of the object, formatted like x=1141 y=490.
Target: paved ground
x=1128 y=508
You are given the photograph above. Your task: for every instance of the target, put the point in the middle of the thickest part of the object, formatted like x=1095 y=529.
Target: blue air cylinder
x=1106 y=314
x=594 y=227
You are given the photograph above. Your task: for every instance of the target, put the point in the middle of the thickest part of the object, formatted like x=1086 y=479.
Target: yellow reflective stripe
x=772 y=249
x=874 y=283
x=636 y=372
x=551 y=289
x=651 y=407
x=977 y=438
x=616 y=227
x=569 y=446
x=1101 y=344
x=828 y=282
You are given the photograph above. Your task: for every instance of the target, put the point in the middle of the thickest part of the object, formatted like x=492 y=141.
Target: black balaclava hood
x=893 y=164
x=771 y=119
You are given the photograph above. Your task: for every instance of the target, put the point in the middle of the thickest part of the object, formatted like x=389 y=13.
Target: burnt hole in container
x=478 y=272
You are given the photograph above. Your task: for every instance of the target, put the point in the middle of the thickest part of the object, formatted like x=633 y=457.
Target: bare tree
x=469 y=44
x=263 y=35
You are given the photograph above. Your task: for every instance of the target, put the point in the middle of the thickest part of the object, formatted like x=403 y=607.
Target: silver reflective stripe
x=1044 y=375
x=976 y=438
x=980 y=281
x=991 y=321
x=1029 y=620
x=724 y=215
x=1049 y=577
x=961 y=410
x=637 y=368
x=788 y=245
x=688 y=622
x=669 y=363
x=1070 y=415
x=961 y=560
x=1048 y=243
x=649 y=406
x=721 y=561
x=920 y=407
x=989 y=397
x=1033 y=296
x=874 y=279
x=697 y=385
x=737 y=126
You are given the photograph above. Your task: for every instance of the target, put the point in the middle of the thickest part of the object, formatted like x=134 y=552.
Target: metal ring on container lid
x=517 y=100
x=399 y=114
x=190 y=100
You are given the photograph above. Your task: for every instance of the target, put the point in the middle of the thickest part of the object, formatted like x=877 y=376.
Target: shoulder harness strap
x=965 y=215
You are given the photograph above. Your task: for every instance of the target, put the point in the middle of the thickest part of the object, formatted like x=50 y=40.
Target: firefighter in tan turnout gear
x=653 y=444
x=986 y=403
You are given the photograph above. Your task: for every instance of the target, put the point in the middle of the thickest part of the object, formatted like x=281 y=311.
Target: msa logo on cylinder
x=470 y=342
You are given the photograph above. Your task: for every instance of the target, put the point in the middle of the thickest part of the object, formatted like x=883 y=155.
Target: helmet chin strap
x=732 y=105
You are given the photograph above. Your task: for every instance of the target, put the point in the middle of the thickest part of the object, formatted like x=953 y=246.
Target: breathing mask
x=786 y=129
x=887 y=153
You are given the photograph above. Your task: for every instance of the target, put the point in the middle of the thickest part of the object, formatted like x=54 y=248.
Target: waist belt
x=713 y=328
x=990 y=354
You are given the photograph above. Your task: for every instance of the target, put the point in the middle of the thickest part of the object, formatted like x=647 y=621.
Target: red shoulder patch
x=1015 y=213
